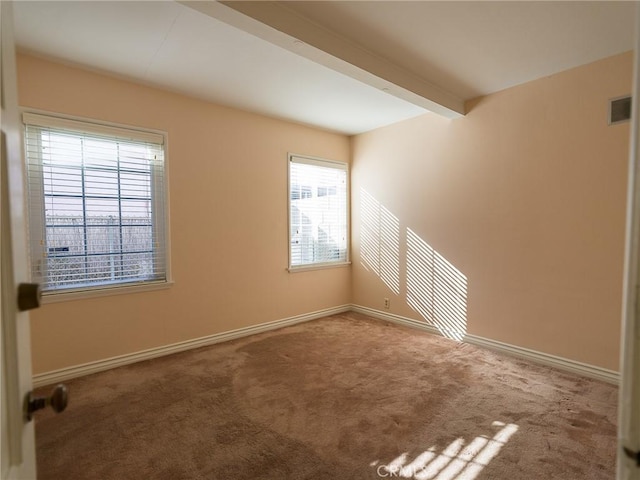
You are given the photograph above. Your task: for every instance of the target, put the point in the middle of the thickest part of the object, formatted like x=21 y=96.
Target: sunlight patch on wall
x=435 y=288
x=456 y=462
x=380 y=241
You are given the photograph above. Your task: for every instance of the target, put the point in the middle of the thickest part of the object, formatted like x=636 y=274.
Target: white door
x=17 y=443
x=629 y=417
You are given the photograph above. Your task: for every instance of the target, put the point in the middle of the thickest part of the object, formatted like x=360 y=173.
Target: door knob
x=28 y=296
x=57 y=400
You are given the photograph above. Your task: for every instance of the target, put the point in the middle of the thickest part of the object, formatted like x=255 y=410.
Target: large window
x=96 y=205
x=318 y=217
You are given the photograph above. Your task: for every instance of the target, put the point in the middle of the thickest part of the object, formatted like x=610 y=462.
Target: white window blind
x=318 y=217
x=96 y=204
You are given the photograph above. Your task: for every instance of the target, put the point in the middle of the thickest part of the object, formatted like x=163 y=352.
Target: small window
x=318 y=218
x=96 y=205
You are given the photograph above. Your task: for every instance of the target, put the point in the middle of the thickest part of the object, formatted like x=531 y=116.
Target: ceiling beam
x=280 y=25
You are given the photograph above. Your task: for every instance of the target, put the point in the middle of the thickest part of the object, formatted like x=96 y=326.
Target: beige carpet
x=345 y=397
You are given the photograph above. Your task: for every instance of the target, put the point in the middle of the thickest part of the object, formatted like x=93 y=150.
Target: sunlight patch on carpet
x=456 y=462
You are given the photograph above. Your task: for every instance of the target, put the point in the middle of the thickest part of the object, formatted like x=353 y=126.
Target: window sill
x=318 y=266
x=57 y=297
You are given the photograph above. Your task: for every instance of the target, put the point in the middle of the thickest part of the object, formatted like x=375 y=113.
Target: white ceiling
x=420 y=53
x=477 y=48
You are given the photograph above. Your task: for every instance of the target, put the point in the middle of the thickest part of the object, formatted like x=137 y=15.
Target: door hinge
x=29 y=296
x=632 y=455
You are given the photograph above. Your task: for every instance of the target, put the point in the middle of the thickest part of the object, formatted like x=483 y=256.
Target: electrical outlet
x=386 y=303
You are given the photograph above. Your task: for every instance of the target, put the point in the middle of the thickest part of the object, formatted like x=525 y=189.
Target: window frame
x=37 y=225
x=323 y=163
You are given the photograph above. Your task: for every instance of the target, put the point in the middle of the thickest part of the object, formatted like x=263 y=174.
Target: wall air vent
x=619 y=110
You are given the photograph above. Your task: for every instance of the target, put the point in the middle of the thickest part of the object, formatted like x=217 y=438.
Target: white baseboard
x=63 y=374
x=579 y=368
x=560 y=363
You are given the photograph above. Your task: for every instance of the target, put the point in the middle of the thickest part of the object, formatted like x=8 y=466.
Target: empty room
x=313 y=240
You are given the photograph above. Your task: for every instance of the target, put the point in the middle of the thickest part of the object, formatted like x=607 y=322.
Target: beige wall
x=521 y=204
x=228 y=211
x=525 y=197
